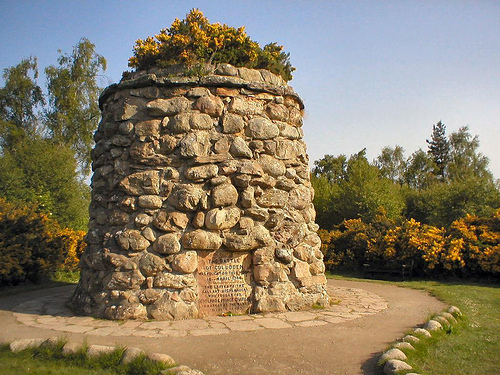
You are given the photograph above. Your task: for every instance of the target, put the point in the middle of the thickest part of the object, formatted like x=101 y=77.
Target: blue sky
x=371 y=73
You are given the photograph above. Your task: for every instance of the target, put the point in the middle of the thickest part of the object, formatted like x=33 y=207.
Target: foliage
x=354 y=242
x=439 y=148
x=333 y=168
x=73 y=112
x=28 y=175
x=470 y=247
x=195 y=40
x=412 y=240
x=434 y=188
x=392 y=164
x=465 y=160
x=477 y=241
x=347 y=244
x=324 y=194
x=20 y=99
x=358 y=190
x=45 y=140
x=419 y=171
x=440 y=204
x=33 y=246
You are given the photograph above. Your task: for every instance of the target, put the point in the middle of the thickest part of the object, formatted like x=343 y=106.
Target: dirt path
x=346 y=347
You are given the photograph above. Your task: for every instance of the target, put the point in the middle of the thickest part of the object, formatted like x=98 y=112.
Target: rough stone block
x=23 y=344
x=224 y=195
x=395 y=366
x=97 y=350
x=262 y=128
x=201 y=240
x=130 y=354
x=168 y=107
x=160 y=357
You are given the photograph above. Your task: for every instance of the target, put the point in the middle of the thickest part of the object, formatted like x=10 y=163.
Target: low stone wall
x=201 y=200
x=394 y=360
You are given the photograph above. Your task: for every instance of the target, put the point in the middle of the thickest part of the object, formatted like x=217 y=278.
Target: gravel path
x=342 y=339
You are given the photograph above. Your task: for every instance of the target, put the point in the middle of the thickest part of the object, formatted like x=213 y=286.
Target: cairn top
x=226 y=75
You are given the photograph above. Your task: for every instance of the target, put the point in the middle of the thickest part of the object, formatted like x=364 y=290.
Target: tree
x=417 y=188
x=419 y=172
x=20 y=100
x=357 y=190
x=73 y=113
x=439 y=149
x=364 y=193
x=333 y=168
x=441 y=204
x=324 y=193
x=468 y=186
x=465 y=160
x=29 y=175
x=45 y=144
x=392 y=164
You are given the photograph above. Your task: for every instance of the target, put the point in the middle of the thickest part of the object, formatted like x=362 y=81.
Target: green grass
x=50 y=360
x=470 y=347
x=27 y=362
x=68 y=277
x=474 y=346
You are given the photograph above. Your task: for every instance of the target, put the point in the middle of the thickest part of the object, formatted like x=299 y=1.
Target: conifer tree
x=439 y=149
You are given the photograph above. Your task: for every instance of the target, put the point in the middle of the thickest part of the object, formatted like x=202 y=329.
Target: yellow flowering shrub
x=470 y=247
x=73 y=242
x=479 y=241
x=195 y=41
x=414 y=241
x=348 y=245
x=34 y=246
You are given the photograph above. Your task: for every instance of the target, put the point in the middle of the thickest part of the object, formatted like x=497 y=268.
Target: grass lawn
x=27 y=363
x=473 y=347
x=50 y=360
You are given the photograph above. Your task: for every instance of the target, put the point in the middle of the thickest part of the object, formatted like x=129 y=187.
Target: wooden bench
x=390 y=268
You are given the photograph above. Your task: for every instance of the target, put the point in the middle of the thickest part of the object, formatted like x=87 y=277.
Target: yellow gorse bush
x=471 y=246
x=74 y=244
x=480 y=242
x=195 y=40
x=34 y=246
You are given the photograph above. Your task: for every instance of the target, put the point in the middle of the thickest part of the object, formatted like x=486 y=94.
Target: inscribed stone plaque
x=224 y=282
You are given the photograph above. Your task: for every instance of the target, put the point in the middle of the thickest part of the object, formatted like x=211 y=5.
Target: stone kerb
x=201 y=200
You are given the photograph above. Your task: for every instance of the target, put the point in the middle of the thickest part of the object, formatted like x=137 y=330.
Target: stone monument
x=201 y=199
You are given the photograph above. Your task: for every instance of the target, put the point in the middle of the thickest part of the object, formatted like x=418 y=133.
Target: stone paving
x=51 y=313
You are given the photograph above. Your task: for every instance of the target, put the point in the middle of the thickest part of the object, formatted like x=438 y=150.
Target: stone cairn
x=201 y=199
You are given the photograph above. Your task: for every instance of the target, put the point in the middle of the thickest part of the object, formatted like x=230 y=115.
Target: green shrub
x=33 y=246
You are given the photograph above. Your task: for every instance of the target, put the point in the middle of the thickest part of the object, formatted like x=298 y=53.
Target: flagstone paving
x=51 y=313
